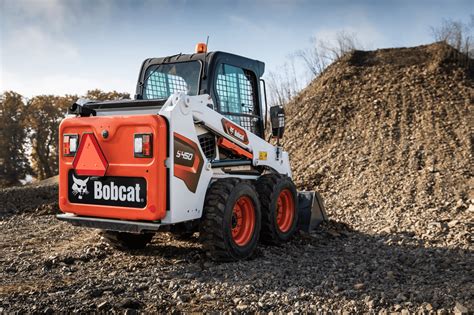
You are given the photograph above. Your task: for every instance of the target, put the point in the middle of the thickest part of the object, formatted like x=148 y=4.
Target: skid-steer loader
x=187 y=155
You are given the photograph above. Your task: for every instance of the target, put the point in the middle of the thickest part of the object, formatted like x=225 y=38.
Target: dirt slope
x=386 y=136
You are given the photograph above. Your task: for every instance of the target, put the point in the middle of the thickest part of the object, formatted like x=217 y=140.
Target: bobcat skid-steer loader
x=187 y=155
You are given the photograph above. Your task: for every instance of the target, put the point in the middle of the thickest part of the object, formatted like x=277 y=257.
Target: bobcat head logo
x=79 y=187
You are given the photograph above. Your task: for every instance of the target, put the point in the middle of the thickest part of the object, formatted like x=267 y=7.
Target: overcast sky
x=70 y=46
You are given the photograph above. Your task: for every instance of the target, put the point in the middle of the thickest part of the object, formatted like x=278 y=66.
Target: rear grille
x=208 y=145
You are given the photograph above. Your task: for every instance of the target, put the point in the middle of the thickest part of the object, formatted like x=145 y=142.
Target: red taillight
x=143 y=145
x=70 y=143
x=147 y=145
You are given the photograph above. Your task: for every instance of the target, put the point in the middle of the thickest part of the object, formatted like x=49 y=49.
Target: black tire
x=218 y=221
x=126 y=241
x=269 y=188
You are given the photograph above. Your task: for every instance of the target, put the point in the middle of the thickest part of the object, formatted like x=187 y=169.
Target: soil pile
x=39 y=198
x=386 y=136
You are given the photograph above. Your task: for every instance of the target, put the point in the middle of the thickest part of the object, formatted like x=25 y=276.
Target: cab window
x=236 y=95
x=165 y=79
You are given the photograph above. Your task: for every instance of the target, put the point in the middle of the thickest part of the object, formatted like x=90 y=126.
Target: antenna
x=205 y=57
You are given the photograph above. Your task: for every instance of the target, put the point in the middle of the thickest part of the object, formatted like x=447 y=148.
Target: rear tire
x=126 y=241
x=230 y=226
x=278 y=197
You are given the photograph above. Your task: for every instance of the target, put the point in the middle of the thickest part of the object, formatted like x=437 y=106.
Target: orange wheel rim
x=285 y=210
x=243 y=221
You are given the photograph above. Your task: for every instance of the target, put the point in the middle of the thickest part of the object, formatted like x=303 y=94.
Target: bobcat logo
x=79 y=187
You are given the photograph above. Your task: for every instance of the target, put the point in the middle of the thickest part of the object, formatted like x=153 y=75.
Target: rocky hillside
x=386 y=136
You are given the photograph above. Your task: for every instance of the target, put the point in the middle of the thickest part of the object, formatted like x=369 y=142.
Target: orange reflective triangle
x=89 y=160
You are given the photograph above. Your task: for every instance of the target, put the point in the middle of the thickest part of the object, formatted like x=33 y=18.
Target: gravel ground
x=49 y=266
x=385 y=136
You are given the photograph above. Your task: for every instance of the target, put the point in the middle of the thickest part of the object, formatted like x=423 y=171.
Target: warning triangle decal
x=89 y=160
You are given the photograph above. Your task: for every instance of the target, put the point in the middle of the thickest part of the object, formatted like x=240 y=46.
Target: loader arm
x=263 y=153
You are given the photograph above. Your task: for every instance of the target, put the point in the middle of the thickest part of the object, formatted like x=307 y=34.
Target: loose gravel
x=385 y=136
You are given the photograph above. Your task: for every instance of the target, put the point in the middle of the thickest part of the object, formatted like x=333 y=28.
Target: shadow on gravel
x=335 y=266
x=166 y=251
x=336 y=262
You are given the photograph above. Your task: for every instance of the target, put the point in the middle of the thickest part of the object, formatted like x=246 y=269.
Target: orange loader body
x=117 y=148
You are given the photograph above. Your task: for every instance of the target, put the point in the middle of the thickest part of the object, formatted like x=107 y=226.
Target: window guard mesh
x=235 y=90
x=162 y=80
x=162 y=85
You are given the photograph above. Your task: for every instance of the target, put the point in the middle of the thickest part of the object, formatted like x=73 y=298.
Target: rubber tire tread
x=268 y=188
x=218 y=243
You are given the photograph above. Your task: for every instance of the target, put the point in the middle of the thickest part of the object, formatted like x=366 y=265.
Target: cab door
x=236 y=95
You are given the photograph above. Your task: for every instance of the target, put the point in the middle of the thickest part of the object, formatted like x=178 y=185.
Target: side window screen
x=235 y=92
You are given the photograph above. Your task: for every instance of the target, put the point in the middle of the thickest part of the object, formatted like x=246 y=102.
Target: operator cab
x=232 y=81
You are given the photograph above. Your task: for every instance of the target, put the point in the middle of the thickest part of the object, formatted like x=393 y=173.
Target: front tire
x=278 y=197
x=231 y=221
x=127 y=241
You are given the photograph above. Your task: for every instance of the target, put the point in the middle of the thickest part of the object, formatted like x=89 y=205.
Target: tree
x=313 y=58
x=323 y=52
x=45 y=114
x=283 y=85
x=457 y=34
x=286 y=84
x=98 y=95
x=13 y=134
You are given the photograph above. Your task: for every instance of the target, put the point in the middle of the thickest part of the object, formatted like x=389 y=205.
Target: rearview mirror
x=277 y=119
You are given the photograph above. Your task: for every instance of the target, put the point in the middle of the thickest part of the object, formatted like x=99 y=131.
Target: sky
x=71 y=46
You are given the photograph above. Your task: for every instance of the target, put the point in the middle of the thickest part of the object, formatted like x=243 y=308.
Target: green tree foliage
x=13 y=135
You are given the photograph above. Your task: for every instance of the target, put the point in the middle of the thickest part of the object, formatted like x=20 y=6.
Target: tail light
x=70 y=144
x=143 y=145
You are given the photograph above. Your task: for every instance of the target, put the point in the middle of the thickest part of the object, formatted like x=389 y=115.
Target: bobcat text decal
x=235 y=131
x=114 y=191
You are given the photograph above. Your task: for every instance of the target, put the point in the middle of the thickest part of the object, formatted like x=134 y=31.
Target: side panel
x=188 y=161
x=132 y=188
x=190 y=173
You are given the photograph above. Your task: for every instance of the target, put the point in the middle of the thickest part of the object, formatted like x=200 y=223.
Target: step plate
x=109 y=224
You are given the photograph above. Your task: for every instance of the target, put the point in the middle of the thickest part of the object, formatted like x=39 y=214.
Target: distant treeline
x=29 y=133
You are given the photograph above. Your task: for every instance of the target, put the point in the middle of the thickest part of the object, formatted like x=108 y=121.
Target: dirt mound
x=47 y=182
x=386 y=137
x=40 y=198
